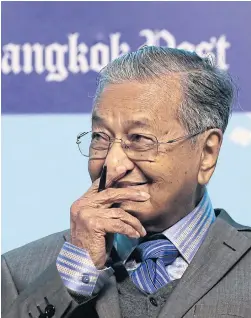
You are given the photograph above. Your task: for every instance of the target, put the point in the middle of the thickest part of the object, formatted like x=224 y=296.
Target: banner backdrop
x=51 y=55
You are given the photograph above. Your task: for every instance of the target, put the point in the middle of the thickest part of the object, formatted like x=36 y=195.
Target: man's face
x=172 y=179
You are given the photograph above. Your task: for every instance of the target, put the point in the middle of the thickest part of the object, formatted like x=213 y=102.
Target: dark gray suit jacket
x=216 y=284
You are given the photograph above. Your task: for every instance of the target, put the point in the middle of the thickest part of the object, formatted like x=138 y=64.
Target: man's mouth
x=127 y=184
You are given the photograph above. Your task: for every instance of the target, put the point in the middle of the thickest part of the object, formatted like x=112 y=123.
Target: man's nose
x=117 y=157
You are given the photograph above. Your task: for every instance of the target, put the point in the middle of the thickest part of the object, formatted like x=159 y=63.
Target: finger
x=116 y=226
x=106 y=199
x=117 y=213
x=110 y=196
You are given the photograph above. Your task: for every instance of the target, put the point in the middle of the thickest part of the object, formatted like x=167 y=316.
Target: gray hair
x=208 y=92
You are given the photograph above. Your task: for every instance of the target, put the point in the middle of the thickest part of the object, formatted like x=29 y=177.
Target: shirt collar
x=187 y=234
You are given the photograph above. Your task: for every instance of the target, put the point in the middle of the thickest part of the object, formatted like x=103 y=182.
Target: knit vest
x=135 y=303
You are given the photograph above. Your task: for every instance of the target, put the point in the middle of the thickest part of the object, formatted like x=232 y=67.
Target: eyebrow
x=140 y=123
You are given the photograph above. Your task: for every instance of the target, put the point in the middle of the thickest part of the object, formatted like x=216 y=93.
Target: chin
x=133 y=207
x=152 y=220
x=141 y=210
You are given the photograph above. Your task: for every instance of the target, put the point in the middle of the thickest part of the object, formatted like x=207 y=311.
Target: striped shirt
x=80 y=275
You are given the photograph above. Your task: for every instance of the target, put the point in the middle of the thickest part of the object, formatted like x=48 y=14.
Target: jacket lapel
x=222 y=248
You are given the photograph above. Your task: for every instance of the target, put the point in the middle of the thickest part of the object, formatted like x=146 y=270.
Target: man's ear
x=211 y=147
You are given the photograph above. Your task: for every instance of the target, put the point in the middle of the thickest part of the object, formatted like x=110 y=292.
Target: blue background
x=42 y=171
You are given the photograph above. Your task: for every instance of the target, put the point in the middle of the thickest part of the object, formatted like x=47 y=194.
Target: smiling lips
x=127 y=184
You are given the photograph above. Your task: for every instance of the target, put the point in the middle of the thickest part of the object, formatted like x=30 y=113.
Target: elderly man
x=150 y=243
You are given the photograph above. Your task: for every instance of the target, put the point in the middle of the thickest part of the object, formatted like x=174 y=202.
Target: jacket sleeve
x=9 y=290
x=47 y=289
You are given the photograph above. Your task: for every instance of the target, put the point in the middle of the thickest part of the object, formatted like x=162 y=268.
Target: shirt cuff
x=78 y=272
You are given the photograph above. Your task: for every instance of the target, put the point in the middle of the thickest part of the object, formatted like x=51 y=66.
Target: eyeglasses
x=96 y=145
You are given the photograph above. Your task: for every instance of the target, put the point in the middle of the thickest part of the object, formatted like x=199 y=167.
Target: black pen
x=102 y=181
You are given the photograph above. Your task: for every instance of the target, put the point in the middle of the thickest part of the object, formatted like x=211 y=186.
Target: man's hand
x=94 y=221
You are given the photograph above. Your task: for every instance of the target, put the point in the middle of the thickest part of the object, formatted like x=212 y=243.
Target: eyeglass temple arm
x=81 y=135
x=181 y=138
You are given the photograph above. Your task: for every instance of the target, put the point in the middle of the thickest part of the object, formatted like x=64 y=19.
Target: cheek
x=94 y=168
x=168 y=174
x=162 y=170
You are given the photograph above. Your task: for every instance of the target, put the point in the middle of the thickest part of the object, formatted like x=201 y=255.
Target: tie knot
x=158 y=249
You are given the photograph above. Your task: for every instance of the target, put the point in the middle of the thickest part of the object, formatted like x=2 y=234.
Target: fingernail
x=143 y=230
x=144 y=194
x=137 y=235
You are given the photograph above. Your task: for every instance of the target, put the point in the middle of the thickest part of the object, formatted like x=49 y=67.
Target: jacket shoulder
x=26 y=263
x=222 y=214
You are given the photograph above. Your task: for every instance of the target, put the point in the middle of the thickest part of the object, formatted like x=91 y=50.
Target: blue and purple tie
x=154 y=256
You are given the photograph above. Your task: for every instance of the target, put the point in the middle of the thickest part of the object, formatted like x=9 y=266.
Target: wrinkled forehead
x=153 y=101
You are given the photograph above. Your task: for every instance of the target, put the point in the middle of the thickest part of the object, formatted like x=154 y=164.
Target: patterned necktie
x=155 y=256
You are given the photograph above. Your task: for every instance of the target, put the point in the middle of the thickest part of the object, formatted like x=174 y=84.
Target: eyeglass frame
x=111 y=140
